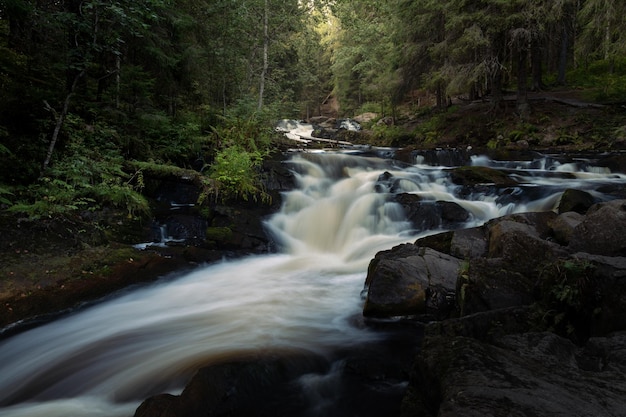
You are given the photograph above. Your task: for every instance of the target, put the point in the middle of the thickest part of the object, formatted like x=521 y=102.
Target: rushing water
x=103 y=360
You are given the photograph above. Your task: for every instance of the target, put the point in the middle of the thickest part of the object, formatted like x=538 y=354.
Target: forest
x=97 y=92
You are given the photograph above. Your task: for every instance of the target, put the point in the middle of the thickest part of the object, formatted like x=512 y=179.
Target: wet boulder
x=409 y=280
x=431 y=215
x=603 y=231
x=563 y=226
x=522 y=240
x=462 y=243
x=384 y=182
x=469 y=243
x=506 y=276
x=575 y=200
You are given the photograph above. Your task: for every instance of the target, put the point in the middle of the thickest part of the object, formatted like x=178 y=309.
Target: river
x=105 y=359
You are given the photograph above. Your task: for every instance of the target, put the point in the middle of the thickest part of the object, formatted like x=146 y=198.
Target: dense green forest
x=97 y=92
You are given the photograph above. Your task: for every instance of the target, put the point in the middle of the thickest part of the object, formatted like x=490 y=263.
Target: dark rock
x=521 y=239
x=575 y=200
x=409 y=280
x=452 y=213
x=603 y=231
x=263 y=387
x=185 y=227
x=276 y=177
x=440 y=242
x=616 y=163
x=563 y=226
x=491 y=284
x=603 y=293
x=431 y=215
x=485 y=326
x=474 y=175
x=617 y=190
x=238 y=228
x=528 y=374
x=506 y=261
x=524 y=274
x=461 y=243
x=442 y=157
x=423 y=215
x=469 y=243
x=383 y=183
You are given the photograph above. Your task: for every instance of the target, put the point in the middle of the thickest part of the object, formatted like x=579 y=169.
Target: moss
x=219 y=234
x=472 y=175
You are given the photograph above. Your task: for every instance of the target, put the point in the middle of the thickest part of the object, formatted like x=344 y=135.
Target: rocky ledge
x=524 y=315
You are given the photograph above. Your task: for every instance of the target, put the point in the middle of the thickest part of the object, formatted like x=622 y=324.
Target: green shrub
x=234 y=174
x=569 y=300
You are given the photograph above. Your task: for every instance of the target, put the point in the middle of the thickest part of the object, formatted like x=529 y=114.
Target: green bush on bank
x=241 y=145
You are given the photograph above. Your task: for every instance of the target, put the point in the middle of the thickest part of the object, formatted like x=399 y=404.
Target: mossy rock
x=575 y=200
x=219 y=234
x=473 y=175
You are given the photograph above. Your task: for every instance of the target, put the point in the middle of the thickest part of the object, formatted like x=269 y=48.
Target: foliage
x=233 y=174
x=606 y=79
x=242 y=144
x=431 y=128
x=389 y=135
x=4 y=193
x=569 y=302
x=90 y=175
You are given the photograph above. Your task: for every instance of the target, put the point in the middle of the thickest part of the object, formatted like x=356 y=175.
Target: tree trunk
x=496 y=71
x=265 y=54
x=496 y=88
x=118 y=71
x=563 y=56
x=440 y=99
x=60 y=118
x=522 y=83
x=537 y=67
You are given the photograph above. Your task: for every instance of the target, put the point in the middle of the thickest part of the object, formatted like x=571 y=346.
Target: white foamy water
x=105 y=360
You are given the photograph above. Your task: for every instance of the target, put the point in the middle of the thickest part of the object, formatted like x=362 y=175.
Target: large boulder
x=603 y=231
x=563 y=226
x=522 y=240
x=431 y=215
x=409 y=280
x=575 y=200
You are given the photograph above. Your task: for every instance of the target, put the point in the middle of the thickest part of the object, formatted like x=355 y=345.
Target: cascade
x=104 y=360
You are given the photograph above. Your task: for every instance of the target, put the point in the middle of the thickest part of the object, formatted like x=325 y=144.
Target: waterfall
x=104 y=360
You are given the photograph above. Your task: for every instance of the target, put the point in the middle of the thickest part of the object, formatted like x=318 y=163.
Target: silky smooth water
x=104 y=360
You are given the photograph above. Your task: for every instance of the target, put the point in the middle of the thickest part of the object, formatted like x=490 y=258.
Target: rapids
x=105 y=359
